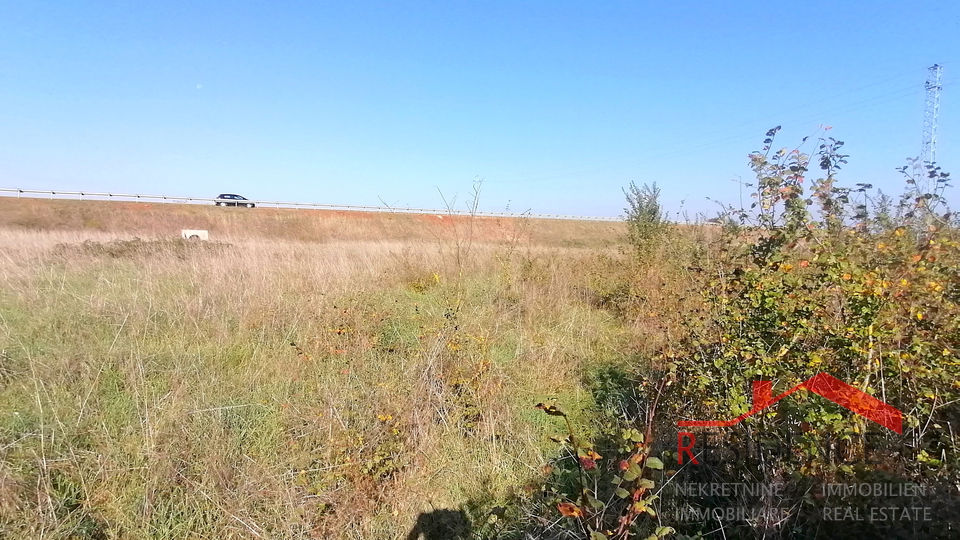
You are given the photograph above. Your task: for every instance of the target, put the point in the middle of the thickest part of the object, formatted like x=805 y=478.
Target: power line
x=562 y=170
x=772 y=116
x=838 y=111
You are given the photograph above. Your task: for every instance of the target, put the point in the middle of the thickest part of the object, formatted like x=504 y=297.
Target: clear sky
x=557 y=105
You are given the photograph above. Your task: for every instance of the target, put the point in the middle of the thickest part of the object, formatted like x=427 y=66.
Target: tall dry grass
x=280 y=388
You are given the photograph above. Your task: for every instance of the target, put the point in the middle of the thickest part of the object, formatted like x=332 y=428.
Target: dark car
x=230 y=199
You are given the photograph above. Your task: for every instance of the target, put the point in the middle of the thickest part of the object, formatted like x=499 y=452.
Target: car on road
x=232 y=199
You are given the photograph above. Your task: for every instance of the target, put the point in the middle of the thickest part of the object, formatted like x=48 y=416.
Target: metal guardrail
x=89 y=195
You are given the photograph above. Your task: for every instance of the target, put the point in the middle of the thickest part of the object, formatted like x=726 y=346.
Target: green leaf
x=632 y=473
x=596 y=535
x=654 y=463
x=662 y=532
x=646 y=483
x=622 y=493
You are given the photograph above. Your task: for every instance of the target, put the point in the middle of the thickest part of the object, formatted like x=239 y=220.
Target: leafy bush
x=811 y=278
x=609 y=495
x=645 y=218
x=837 y=281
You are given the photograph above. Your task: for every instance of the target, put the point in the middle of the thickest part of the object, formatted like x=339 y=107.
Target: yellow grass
x=305 y=375
x=166 y=220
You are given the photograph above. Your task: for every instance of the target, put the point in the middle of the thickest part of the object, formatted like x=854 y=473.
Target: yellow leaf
x=570 y=510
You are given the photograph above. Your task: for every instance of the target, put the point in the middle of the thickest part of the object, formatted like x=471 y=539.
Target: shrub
x=838 y=281
x=646 y=221
x=811 y=278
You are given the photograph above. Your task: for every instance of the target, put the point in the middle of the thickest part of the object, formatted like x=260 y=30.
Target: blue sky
x=556 y=105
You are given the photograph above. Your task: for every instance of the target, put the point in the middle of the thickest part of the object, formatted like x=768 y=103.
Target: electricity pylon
x=931 y=111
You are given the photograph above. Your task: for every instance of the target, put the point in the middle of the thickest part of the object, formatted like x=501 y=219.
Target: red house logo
x=825 y=385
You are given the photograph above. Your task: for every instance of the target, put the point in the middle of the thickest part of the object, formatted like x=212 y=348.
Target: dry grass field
x=128 y=219
x=304 y=374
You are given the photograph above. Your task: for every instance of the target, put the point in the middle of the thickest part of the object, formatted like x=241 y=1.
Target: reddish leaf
x=570 y=510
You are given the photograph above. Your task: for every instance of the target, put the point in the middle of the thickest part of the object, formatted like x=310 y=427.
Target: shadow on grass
x=441 y=525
